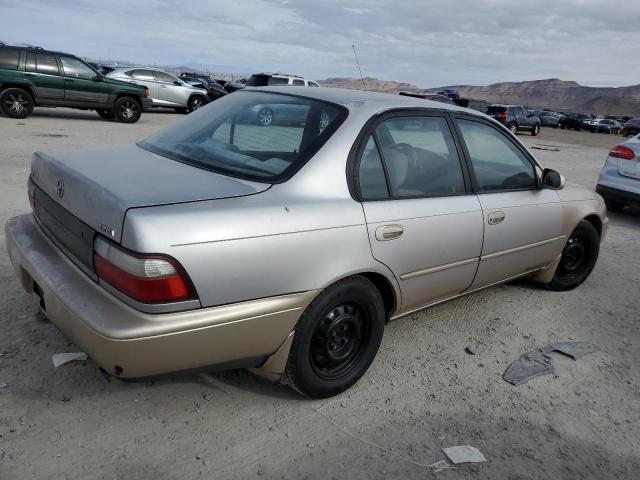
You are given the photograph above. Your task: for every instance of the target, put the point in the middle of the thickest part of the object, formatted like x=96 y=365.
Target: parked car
x=607 y=126
x=287 y=251
x=573 y=121
x=35 y=77
x=231 y=85
x=515 y=117
x=213 y=88
x=619 y=180
x=165 y=90
x=271 y=79
x=549 y=119
x=436 y=97
x=449 y=92
x=479 y=105
x=590 y=123
x=631 y=127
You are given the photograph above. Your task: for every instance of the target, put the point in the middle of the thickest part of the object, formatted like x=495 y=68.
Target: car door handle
x=163 y=86
x=389 y=232
x=496 y=218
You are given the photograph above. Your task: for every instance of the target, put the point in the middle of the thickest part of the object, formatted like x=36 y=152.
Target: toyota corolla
x=287 y=248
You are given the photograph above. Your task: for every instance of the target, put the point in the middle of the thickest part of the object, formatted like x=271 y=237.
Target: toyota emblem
x=60 y=188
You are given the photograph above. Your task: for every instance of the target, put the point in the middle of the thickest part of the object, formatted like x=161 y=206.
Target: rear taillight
x=622 y=152
x=502 y=116
x=145 y=278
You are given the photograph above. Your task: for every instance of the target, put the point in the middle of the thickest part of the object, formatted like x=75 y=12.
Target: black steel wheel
x=578 y=257
x=336 y=338
x=127 y=110
x=16 y=103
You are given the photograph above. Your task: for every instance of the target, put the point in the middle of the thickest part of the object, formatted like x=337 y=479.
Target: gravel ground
x=422 y=393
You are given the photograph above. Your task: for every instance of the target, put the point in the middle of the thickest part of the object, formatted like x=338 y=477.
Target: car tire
x=265 y=117
x=513 y=128
x=127 y=110
x=535 y=130
x=613 y=206
x=106 y=114
x=196 y=102
x=578 y=258
x=16 y=103
x=336 y=338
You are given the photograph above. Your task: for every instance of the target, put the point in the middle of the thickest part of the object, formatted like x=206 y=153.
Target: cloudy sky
x=426 y=42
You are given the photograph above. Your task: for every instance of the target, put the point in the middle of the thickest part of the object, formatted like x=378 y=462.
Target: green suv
x=32 y=77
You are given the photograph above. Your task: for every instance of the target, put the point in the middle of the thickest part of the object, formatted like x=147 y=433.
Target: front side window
x=252 y=135
x=165 y=77
x=313 y=84
x=497 y=163
x=420 y=157
x=9 y=58
x=76 y=69
x=46 y=63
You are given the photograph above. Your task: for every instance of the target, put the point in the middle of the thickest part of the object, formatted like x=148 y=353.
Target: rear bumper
x=618 y=195
x=129 y=343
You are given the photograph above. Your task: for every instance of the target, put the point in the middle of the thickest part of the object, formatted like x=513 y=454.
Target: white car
x=275 y=79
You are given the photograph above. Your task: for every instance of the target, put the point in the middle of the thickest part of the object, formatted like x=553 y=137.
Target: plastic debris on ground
x=441 y=465
x=62 y=358
x=538 y=362
x=3 y=385
x=464 y=454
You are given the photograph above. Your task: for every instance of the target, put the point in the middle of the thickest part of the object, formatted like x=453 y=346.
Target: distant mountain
x=551 y=93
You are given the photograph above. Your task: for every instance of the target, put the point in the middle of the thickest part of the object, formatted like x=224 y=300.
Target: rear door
x=43 y=72
x=423 y=221
x=82 y=85
x=147 y=79
x=522 y=222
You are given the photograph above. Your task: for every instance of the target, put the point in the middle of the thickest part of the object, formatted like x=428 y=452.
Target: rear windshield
x=258 y=81
x=252 y=135
x=493 y=109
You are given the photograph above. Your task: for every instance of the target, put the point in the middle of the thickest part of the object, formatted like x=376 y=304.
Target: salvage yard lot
x=422 y=393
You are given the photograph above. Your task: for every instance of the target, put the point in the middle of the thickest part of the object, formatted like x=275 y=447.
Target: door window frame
x=369 y=130
x=502 y=130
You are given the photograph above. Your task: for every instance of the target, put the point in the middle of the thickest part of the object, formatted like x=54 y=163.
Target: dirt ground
x=422 y=393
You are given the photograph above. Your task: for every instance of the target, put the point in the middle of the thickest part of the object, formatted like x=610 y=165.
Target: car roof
x=363 y=99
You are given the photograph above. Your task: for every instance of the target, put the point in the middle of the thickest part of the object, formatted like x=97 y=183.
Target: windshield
x=252 y=135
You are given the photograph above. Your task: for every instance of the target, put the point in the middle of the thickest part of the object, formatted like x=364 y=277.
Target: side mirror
x=552 y=179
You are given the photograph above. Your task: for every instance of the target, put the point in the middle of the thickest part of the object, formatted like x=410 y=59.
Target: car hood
x=98 y=186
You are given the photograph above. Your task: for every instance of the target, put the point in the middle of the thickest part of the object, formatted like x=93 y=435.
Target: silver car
x=619 y=180
x=165 y=90
x=287 y=248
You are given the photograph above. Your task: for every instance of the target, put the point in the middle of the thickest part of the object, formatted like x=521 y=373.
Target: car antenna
x=358 y=64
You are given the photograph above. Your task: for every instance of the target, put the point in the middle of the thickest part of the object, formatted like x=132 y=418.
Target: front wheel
x=336 y=338
x=196 y=102
x=535 y=130
x=578 y=258
x=127 y=110
x=16 y=103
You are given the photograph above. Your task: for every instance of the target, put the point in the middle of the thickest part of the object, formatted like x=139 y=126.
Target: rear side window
x=9 y=58
x=297 y=82
x=420 y=157
x=493 y=110
x=497 y=163
x=371 y=177
x=46 y=63
x=142 y=74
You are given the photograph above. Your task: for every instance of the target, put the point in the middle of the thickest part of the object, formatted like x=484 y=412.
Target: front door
x=522 y=221
x=44 y=75
x=82 y=84
x=423 y=221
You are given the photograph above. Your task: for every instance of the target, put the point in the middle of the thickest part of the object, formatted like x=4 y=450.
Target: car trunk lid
x=98 y=186
x=630 y=168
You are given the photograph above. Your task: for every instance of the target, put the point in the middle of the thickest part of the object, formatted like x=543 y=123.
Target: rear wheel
x=106 y=114
x=578 y=258
x=127 y=110
x=16 y=103
x=336 y=338
x=513 y=128
x=535 y=130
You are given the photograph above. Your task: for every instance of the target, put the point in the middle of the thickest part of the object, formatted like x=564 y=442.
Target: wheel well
x=27 y=88
x=596 y=222
x=386 y=291
x=132 y=95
